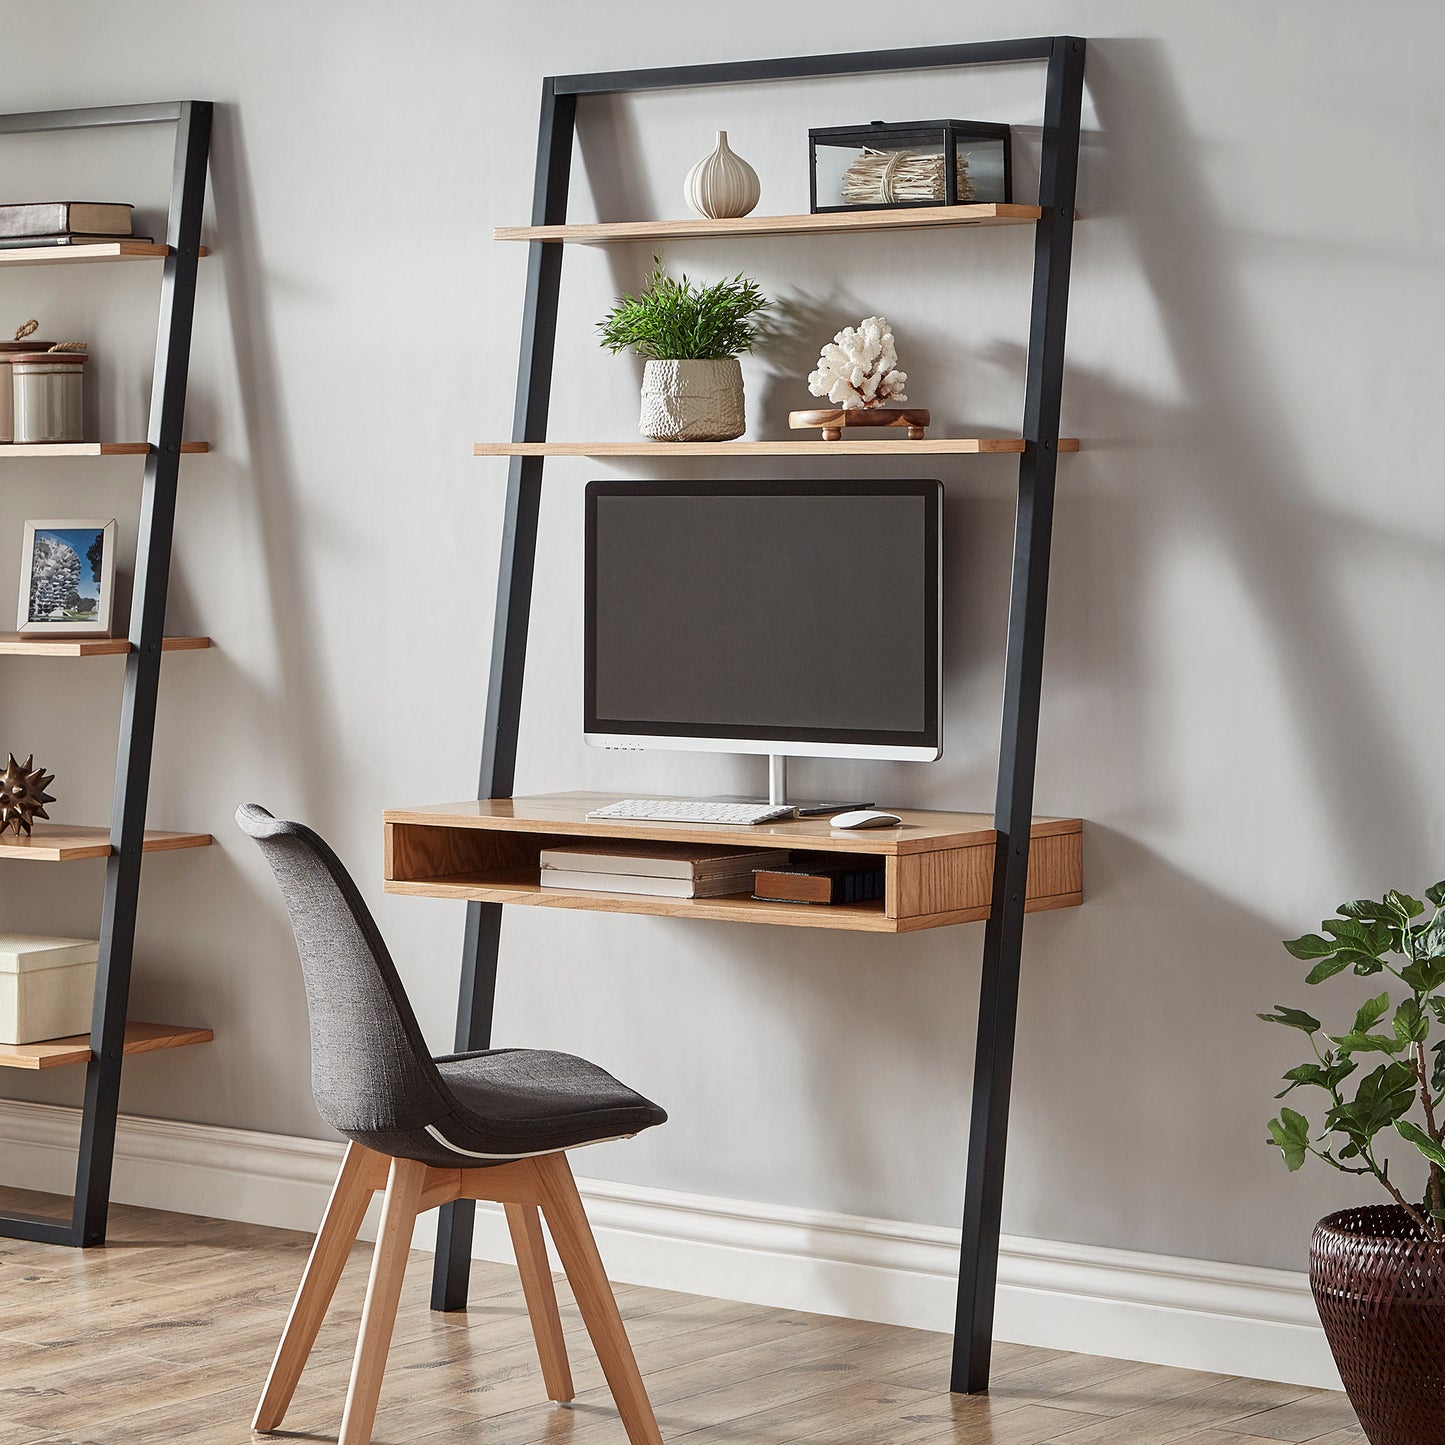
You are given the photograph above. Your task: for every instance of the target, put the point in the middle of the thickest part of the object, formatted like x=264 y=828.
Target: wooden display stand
x=938 y=866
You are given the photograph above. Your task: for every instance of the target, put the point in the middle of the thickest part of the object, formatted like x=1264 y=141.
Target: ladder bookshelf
x=1037 y=447
x=122 y=844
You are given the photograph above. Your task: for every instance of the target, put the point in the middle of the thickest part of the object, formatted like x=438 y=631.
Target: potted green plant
x=690 y=337
x=1378 y=1271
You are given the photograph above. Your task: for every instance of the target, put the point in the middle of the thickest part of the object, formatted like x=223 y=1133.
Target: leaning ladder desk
x=1013 y=836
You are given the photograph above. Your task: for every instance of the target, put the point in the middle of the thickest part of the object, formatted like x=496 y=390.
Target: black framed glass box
x=886 y=165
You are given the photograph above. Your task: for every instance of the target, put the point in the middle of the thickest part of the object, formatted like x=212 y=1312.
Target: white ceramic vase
x=722 y=184
x=692 y=401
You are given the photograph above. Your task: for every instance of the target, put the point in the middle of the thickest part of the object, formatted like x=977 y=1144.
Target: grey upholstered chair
x=487 y=1125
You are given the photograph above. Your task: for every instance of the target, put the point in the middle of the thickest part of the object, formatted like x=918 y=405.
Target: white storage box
x=46 y=987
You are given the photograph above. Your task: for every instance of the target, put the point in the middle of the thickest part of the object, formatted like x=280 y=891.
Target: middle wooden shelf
x=68 y=842
x=15 y=644
x=662 y=451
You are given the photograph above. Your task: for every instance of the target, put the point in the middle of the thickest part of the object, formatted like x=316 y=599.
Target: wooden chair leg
x=388 y=1265
x=573 y=1236
x=350 y=1197
x=536 y=1272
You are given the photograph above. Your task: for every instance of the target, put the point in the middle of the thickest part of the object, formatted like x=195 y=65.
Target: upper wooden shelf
x=88 y=449
x=15 y=644
x=938 y=866
x=661 y=451
x=139 y=1039
x=65 y=843
x=831 y=223
x=97 y=251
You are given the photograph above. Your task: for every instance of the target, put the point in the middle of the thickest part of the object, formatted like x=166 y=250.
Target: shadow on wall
x=1252 y=500
x=310 y=721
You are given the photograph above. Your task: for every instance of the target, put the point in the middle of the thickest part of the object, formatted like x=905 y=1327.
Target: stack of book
x=65 y=223
x=660 y=870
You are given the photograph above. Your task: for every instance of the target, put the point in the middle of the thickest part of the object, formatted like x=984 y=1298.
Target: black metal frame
x=1003 y=938
x=192 y=119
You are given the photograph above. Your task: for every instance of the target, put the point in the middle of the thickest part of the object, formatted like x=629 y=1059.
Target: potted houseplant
x=690 y=337
x=1378 y=1271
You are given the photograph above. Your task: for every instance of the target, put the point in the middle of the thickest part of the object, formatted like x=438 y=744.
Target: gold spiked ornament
x=22 y=795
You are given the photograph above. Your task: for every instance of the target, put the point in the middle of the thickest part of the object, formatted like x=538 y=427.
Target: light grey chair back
x=371 y=1071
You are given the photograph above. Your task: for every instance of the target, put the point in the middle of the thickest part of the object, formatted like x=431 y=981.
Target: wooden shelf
x=15 y=644
x=938 y=866
x=139 y=1039
x=835 y=223
x=65 y=843
x=662 y=451
x=88 y=449
x=98 y=251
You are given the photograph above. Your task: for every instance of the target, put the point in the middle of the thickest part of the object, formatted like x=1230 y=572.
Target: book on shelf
x=64 y=238
x=857 y=880
x=660 y=860
x=107 y=219
x=586 y=880
x=658 y=870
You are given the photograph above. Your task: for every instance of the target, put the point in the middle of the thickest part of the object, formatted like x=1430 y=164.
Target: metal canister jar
x=49 y=395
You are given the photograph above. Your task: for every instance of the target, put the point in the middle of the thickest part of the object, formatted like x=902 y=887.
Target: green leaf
x=1372 y=936
x=1291 y=1018
x=1327 y=968
x=1412 y=1026
x=1371 y=1011
x=1366 y=1043
x=1425 y=975
x=1311 y=945
x=1403 y=904
x=1436 y=894
x=1421 y=1140
x=1382 y=1097
x=1367 y=908
x=1430 y=940
x=1290 y=1133
x=1437 y=1076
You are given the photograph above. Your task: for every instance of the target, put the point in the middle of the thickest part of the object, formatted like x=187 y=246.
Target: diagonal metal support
x=509 y=631
x=1018 y=745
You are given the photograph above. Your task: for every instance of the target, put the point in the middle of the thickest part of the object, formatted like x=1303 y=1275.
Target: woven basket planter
x=1380 y=1290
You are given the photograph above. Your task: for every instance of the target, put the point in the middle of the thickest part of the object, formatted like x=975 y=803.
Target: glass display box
x=890 y=164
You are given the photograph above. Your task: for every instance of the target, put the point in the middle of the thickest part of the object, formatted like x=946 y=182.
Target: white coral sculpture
x=859 y=367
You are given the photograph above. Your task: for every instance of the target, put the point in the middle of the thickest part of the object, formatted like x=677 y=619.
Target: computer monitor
x=798 y=618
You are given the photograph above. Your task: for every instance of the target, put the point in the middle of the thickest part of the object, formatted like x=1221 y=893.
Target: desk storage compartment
x=938 y=868
x=46 y=987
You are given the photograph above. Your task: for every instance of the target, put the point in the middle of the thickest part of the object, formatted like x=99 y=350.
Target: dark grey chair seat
x=513 y=1103
x=374 y=1079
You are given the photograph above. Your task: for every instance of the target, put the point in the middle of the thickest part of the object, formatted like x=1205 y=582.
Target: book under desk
x=938 y=866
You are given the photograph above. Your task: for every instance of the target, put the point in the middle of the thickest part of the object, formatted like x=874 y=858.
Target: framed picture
x=67 y=578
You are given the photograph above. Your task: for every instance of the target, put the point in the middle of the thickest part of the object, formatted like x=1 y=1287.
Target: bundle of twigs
x=889 y=177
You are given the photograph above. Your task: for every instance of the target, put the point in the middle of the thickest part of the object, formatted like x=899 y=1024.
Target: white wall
x=1239 y=694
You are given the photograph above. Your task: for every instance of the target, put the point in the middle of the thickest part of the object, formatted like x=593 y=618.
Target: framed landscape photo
x=67 y=578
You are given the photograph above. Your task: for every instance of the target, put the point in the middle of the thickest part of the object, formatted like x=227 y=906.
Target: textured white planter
x=692 y=401
x=46 y=987
x=722 y=184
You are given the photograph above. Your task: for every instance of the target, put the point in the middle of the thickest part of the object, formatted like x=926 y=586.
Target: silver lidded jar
x=49 y=395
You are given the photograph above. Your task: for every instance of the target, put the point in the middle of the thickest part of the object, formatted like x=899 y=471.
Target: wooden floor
x=166 y=1334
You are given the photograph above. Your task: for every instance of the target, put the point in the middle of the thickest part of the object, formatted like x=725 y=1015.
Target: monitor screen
x=786 y=617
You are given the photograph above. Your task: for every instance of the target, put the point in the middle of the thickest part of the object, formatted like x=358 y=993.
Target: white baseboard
x=1234 y=1319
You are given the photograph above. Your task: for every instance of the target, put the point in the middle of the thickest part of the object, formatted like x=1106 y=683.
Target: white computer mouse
x=865 y=818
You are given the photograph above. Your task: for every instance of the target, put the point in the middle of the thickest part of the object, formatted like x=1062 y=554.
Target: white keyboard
x=686 y=810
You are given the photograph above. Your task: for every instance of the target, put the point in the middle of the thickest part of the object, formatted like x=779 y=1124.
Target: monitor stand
x=778 y=794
